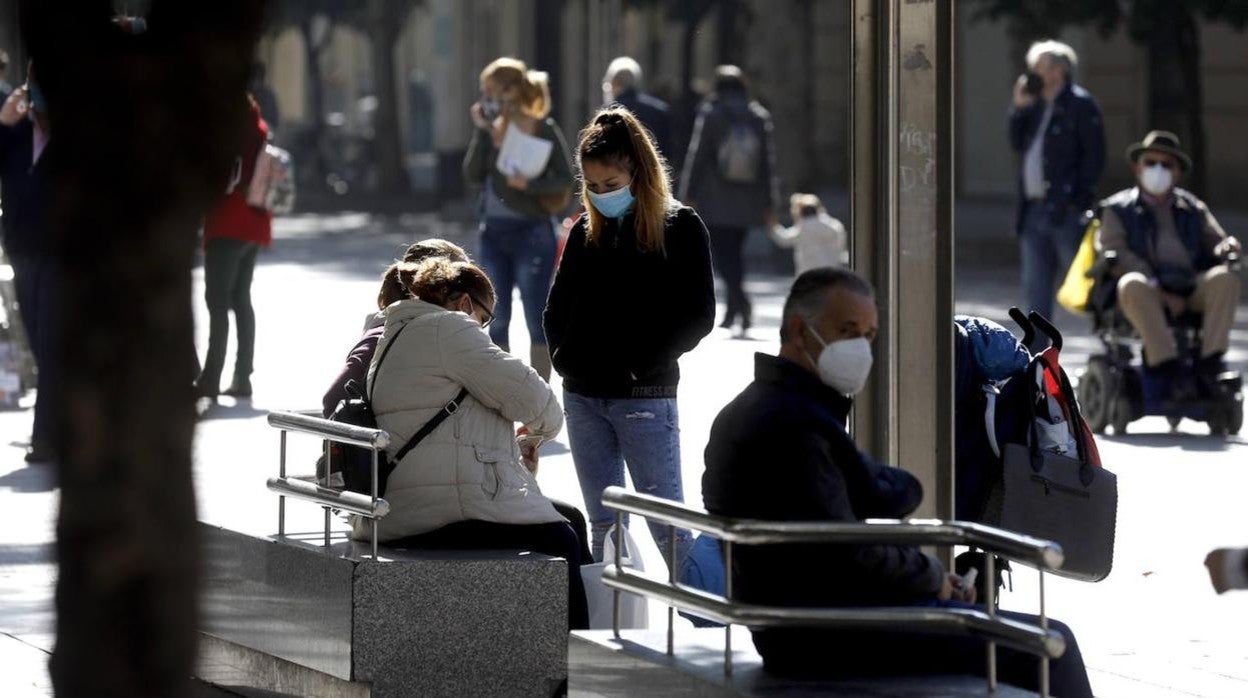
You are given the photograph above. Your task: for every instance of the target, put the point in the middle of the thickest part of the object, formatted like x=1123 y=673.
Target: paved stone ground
x=1153 y=628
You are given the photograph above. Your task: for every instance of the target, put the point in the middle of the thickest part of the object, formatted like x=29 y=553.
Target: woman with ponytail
x=518 y=225
x=632 y=294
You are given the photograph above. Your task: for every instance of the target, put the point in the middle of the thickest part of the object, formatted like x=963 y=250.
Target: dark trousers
x=809 y=653
x=35 y=281
x=555 y=539
x=726 y=247
x=228 y=269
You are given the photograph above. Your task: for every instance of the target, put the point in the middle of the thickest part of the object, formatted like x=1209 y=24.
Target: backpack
x=740 y=153
x=272 y=185
x=354 y=464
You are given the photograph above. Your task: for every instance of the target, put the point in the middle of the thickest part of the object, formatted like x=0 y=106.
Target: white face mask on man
x=843 y=365
x=1157 y=179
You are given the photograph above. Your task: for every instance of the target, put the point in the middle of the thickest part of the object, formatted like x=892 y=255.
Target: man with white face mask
x=780 y=451
x=1169 y=249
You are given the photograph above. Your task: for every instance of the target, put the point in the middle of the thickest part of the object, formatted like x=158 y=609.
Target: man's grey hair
x=624 y=72
x=1063 y=54
x=810 y=291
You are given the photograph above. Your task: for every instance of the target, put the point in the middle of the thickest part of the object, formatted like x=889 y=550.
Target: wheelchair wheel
x=1234 y=417
x=1093 y=393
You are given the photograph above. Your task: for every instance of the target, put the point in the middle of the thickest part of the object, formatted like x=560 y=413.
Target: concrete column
x=901 y=208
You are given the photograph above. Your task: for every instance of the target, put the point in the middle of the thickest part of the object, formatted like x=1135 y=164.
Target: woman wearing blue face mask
x=632 y=294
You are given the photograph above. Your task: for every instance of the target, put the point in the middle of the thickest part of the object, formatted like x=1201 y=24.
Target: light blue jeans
x=607 y=434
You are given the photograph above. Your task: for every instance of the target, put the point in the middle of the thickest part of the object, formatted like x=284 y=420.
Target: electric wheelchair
x=1112 y=388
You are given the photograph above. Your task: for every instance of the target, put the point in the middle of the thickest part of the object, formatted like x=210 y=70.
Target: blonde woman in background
x=517 y=213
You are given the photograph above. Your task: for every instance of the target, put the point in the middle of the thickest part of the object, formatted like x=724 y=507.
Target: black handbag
x=1056 y=497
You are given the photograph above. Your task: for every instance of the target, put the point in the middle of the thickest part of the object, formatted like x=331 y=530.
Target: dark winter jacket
x=654 y=114
x=1074 y=151
x=720 y=202
x=25 y=191
x=481 y=162
x=618 y=318
x=1196 y=228
x=356 y=369
x=780 y=452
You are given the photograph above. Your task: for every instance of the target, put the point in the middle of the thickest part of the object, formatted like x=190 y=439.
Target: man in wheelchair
x=1169 y=256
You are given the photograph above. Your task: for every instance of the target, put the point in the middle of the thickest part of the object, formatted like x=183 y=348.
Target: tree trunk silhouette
x=1175 y=93
x=316 y=97
x=385 y=21
x=143 y=133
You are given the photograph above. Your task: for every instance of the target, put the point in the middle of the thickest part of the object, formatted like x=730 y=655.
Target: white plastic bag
x=633 y=608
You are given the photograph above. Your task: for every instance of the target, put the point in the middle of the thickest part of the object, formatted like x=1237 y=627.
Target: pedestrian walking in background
x=621 y=85
x=234 y=232
x=1055 y=128
x=817 y=239
x=632 y=294
x=729 y=177
x=518 y=211
x=25 y=140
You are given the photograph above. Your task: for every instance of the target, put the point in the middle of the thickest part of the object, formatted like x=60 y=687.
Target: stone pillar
x=901 y=201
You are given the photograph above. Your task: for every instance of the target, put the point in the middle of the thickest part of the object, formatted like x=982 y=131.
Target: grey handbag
x=1054 y=496
x=1058 y=498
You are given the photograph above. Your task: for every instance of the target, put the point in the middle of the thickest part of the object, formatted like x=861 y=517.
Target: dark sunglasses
x=1153 y=162
x=489 y=317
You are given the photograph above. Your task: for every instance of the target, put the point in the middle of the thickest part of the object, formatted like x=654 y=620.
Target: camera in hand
x=1034 y=84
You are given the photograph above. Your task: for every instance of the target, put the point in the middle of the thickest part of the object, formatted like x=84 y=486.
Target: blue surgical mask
x=613 y=204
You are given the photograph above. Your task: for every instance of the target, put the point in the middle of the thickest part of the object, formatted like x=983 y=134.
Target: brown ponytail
x=615 y=137
x=392 y=287
x=439 y=281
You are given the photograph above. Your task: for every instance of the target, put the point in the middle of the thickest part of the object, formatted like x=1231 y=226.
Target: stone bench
x=295 y=617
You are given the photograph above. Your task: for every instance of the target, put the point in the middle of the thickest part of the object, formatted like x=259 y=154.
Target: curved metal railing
x=1044 y=555
x=371 y=507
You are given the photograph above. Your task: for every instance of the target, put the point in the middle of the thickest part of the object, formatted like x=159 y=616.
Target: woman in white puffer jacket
x=468 y=484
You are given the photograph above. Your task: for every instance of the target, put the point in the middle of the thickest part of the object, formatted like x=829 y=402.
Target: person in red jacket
x=234 y=232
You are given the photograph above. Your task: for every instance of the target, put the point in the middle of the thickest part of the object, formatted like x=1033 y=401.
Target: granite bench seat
x=637 y=664
x=295 y=617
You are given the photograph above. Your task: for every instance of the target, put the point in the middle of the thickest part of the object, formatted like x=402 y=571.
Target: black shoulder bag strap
x=447 y=410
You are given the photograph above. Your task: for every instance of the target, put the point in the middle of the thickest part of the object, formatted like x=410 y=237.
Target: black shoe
x=238 y=389
x=201 y=392
x=39 y=454
x=729 y=321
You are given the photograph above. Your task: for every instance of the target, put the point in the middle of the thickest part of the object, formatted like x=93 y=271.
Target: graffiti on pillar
x=917 y=155
x=916 y=59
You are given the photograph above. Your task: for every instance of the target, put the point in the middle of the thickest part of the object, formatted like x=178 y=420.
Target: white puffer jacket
x=469 y=467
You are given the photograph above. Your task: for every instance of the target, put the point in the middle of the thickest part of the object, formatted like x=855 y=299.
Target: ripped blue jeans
x=644 y=434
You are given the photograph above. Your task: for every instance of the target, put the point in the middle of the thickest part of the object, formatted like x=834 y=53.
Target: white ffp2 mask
x=1156 y=180
x=844 y=364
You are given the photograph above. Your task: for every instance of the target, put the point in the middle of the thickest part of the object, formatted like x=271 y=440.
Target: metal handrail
x=330 y=430
x=372 y=507
x=1042 y=554
x=351 y=502
x=952 y=621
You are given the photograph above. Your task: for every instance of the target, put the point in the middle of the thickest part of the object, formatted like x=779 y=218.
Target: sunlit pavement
x=1153 y=628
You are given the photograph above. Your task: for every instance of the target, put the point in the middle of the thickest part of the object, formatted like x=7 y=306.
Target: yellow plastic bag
x=1073 y=295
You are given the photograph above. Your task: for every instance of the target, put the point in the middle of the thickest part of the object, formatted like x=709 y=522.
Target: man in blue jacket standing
x=1055 y=128
x=780 y=452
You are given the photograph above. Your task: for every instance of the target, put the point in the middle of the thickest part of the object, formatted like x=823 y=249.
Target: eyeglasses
x=489 y=317
x=1154 y=162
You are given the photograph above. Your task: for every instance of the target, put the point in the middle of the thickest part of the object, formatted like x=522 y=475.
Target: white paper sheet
x=522 y=154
